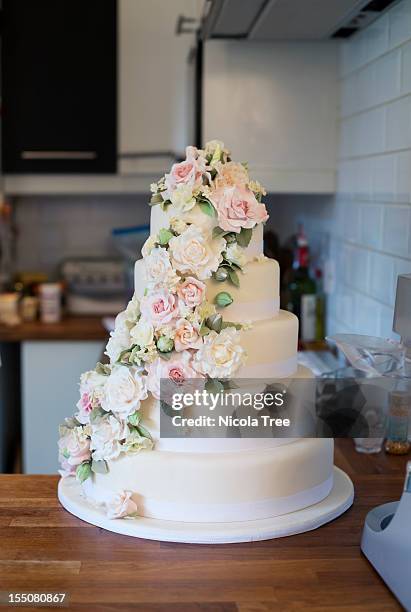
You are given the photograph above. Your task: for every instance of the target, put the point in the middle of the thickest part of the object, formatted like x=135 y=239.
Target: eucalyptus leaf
x=96 y=414
x=135 y=418
x=165 y=356
x=164 y=236
x=103 y=369
x=244 y=237
x=237 y=326
x=99 y=467
x=155 y=199
x=233 y=276
x=207 y=208
x=204 y=330
x=213 y=385
x=217 y=231
x=83 y=471
x=144 y=432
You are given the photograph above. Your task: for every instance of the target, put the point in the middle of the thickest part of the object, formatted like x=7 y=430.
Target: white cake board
x=337 y=502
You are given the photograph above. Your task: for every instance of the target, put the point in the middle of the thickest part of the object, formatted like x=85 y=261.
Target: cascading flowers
x=173 y=331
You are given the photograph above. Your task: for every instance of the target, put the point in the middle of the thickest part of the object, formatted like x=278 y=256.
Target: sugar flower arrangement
x=173 y=332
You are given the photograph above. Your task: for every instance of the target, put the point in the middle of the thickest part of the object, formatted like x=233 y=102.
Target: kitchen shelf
x=69 y=328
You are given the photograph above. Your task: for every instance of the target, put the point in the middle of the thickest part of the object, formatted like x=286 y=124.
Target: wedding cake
x=206 y=306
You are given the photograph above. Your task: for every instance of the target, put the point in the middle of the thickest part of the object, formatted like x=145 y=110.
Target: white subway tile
x=348 y=95
x=398 y=130
x=362 y=170
x=367 y=315
x=352 y=222
x=406 y=69
x=371 y=225
x=395 y=233
x=386 y=320
x=377 y=36
x=381 y=277
x=387 y=77
x=384 y=178
x=356 y=268
x=365 y=83
x=400 y=23
x=403 y=176
x=369 y=131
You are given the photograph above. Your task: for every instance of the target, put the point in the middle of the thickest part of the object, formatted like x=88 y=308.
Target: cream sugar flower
x=196 y=252
x=74 y=448
x=221 y=354
x=186 y=336
x=121 y=505
x=142 y=333
x=92 y=385
x=236 y=255
x=106 y=437
x=158 y=270
x=182 y=198
x=125 y=389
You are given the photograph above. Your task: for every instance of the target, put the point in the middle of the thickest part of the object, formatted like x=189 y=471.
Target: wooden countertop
x=70 y=328
x=43 y=547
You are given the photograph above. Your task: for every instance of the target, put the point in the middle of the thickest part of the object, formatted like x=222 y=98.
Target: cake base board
x=337 y=502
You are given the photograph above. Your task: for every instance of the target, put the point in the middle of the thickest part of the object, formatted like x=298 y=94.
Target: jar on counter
x=28 y=308
x=9 y=309
x=50 y=302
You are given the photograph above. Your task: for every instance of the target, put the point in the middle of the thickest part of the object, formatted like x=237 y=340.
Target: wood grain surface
x=44 y=548
x=69 y=328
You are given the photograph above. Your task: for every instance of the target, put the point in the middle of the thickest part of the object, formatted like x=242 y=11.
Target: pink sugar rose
x=121 y=505
x=191 y=291
x=74 y=448
x=178 y=369
x=188 y=172
x=159 y=307
x=186 y=336
x=237 y=207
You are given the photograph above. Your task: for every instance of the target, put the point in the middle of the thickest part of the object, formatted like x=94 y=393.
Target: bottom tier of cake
x=220 y=487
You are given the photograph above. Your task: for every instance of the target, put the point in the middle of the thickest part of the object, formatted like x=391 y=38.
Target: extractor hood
x=289 y=19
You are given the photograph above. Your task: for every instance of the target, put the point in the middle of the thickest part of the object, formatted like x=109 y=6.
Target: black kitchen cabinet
x=59 y=86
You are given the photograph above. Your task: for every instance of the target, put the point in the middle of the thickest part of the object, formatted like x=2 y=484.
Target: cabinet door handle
x=64 y=155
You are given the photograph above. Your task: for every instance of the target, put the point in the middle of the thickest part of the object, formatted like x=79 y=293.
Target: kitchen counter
x=43 y=547
x=70 y=328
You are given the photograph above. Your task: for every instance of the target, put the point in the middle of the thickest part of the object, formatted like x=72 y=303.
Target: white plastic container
x=50 y=302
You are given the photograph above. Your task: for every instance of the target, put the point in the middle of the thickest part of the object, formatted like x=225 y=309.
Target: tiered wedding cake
x=206 y=305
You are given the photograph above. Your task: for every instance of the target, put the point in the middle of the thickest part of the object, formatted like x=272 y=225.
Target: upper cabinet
x=59 y=86
x=155 y=84
x=275 y=105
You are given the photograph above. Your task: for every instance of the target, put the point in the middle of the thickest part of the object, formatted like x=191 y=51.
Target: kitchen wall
x=369 y=222
x=51 y=228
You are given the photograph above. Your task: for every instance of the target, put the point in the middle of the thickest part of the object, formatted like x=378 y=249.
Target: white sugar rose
x=157 y=268
x=92 y=385
x=106 y=437
x=142 y=333
x=74 y=448
x=121 y=505
x=182 y=198
x=178 y=225
x=196 y=252
x=132 y=311
x=120 y=340
x=159 y=307
x=186 y=336
x=236 y=255
x=125 y=388
x=221 y=354
x=149 y=244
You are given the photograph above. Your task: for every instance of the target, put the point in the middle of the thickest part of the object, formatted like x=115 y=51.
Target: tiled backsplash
x=371 y=233
x=53 y=228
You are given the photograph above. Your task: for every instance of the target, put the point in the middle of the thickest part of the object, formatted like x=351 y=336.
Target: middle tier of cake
x=256 y=299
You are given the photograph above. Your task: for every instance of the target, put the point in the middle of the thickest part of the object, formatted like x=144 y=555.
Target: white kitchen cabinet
x=155 y=84
x=275 y=105
x=50 y=376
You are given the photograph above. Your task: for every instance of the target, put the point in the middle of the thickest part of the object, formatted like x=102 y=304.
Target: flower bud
x=230 y=238
x=221 y=275
x=223 y=299
x=164 y=344
x=215 y=322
